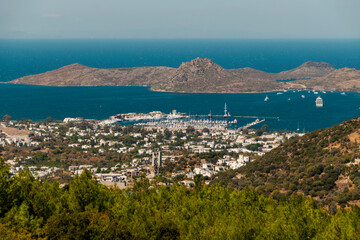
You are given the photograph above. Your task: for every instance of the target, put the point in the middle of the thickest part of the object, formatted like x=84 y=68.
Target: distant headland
x=202 y=75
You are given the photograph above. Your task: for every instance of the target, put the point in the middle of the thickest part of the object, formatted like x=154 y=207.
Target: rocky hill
x=80 y=75
x=200 y=75
x=324 y=164
x=337 y=80
x=308 y=69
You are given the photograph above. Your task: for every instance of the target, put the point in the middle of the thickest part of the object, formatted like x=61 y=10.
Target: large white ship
x=319 y=102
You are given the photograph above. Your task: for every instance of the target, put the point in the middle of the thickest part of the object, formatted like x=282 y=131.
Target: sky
x=180 y=19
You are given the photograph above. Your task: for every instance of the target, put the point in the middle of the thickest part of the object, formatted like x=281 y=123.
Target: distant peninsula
x=202 y=75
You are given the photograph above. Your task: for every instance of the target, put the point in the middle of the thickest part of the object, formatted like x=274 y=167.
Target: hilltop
x=201 y=75
x=308 y=69
x=324 y=164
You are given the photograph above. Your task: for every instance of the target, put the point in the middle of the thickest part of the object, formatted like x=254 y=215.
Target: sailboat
x=298 y=128
x=266 y=98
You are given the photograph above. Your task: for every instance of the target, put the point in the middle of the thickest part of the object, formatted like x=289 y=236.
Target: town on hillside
x=118 y=154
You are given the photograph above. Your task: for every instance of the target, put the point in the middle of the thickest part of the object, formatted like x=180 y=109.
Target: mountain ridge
x=200 y=75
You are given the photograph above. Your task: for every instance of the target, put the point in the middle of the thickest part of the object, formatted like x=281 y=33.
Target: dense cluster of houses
x=100 y=140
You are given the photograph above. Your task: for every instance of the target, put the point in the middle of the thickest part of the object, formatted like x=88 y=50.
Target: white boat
x=343 y=93
x=289 y=99
x=302 y=96
x=319 y=102
x=316 y=93
x=279 y=93
x=266 y=98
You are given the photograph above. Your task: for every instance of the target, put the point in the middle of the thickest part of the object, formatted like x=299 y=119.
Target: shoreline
x=164 y=91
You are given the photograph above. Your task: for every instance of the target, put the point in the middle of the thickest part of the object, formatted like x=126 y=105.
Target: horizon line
x=118 y=38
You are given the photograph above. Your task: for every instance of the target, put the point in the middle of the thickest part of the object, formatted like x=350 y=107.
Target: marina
x=176 y=120
x=176 y=124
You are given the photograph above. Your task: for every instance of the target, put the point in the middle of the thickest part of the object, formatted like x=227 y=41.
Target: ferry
x=319 y=102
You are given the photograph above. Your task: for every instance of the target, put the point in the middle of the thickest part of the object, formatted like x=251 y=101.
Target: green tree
x=167 y=133
x=6 y=117
x=190 y=129
x=264 y=128
x=49 y=120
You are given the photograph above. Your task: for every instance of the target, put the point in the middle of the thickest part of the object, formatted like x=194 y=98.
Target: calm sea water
x=23 y=57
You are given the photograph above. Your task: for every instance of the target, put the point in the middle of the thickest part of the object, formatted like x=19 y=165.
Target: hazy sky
x=180 y=18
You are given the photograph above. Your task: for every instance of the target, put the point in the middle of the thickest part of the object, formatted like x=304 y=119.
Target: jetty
x=257 y=121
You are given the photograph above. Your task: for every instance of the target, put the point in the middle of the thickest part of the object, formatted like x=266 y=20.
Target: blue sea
x=23 y=57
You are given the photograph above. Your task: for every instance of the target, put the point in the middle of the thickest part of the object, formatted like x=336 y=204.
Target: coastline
x=183 y=92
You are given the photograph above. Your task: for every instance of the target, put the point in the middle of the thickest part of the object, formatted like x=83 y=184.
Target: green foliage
x=38 y=158
x=253 y=146
x=84 y=209
x=211 y=157
x=49 y=120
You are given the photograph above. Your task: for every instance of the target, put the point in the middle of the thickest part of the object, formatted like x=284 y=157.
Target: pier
x=227 y=114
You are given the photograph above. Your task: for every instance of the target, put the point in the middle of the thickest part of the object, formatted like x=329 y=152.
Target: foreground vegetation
x=84 y=209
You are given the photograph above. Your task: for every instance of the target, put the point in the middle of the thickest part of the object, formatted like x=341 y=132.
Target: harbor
x=177 y=121
x=181 y=124
x=279 y=113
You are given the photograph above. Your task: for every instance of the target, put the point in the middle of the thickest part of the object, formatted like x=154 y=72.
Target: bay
x=21 y=57
x=39 y=102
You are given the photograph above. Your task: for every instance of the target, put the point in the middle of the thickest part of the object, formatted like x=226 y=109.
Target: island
x=202 y=75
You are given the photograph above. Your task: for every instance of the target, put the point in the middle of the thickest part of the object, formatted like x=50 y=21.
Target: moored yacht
x=319 y=102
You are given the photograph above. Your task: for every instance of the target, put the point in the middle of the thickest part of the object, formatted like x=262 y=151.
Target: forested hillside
x=324 y=164
x=84 y=209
